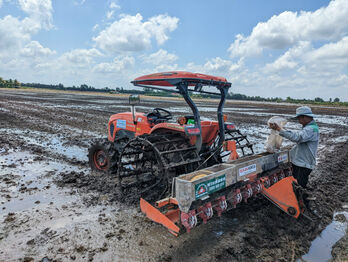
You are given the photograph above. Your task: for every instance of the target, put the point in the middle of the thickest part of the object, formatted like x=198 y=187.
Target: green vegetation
x=151 y=92
x=9 y=83
x=316 y=101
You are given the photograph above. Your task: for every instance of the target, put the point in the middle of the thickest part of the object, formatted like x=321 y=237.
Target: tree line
x=150 y=92
x=9 y=83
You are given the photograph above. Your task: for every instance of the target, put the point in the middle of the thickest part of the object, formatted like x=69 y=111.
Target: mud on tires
x=103 y=157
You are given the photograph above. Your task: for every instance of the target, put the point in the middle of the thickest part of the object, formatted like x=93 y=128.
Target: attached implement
x=198 y=196
x=184 y=173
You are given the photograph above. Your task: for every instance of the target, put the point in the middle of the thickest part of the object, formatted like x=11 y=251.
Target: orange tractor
x=185 y=172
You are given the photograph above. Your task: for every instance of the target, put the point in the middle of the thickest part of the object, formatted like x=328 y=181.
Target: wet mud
x=53 y=208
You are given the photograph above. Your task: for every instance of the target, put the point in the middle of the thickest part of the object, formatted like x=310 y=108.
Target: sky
x=266 y=48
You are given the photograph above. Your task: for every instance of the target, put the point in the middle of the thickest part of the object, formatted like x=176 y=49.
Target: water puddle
x=320 y=250
x=339 y=139
x=186 y=109
x=332 y=120
x=54 y=143
x=29 y=182
x=325 y=119
x=231 y=109
x=223 y=225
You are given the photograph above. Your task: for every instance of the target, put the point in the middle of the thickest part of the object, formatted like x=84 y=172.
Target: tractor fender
x=165 y=127
x=172 y=128
x=121 y=137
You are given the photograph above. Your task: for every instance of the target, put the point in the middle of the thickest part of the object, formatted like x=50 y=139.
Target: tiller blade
x=282 y=194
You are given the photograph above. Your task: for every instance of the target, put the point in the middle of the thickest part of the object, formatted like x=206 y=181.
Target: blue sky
x=268 y=48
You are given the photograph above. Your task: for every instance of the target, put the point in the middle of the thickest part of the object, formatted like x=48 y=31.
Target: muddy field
x=52 y=208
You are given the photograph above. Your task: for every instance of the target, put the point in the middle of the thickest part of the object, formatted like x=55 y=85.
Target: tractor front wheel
x=102 y=156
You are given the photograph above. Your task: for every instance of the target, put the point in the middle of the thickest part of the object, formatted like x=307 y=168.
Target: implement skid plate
x=282 y=195
x=199 y=195
x=168 y=219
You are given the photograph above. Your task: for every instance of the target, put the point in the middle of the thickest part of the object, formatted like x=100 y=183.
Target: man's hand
x=274 y=126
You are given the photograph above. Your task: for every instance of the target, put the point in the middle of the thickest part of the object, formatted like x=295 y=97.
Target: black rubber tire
x=103 y=157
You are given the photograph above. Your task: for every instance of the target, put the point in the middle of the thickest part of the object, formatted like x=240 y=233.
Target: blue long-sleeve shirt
x=307 y=139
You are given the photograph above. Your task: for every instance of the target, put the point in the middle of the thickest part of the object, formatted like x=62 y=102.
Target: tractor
x=145 y=150
x=185 y=171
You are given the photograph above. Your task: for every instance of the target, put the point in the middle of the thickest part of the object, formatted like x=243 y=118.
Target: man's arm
x=301 y=136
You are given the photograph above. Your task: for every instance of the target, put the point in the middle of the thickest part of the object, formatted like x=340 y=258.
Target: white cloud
x=119 y=64
x=301 y=72
x=216 y=66
x=165 y=68
x=332 y=53
x=243 y=46
x=331 y=57
x=130 y=33
x=160 y=57
x=13 y=34
x=110 y=14
x=35 y=50
x=73 y=64
x=19 y=54
x=39 y=11
x=113 y=5
x=304 y=69
x=326 y=67
x=288 y=60
x=80 y=57
x=79 y=2
x=288 y=28
x=95 y=27
x=160 y=25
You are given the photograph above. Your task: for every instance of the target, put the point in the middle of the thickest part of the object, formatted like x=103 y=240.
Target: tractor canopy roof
x=176 y=78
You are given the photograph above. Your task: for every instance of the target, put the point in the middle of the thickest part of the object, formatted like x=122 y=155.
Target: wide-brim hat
x=303 y=111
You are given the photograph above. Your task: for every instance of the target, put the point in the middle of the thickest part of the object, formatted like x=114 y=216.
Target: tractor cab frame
x=184 y=83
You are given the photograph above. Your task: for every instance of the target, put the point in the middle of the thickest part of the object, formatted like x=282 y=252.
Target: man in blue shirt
x=303 y=155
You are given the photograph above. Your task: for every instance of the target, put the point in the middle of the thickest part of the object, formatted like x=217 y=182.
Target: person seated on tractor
x=303 y=154
x=186 y=120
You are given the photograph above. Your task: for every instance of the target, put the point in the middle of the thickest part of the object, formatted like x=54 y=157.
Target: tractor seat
x=158 y=115
x=153 y=118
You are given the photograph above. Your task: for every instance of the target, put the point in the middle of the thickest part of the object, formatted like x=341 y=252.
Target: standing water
x=320 y=250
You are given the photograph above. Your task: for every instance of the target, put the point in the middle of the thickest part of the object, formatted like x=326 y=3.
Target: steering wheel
x=160 y=117
x=166 y=116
